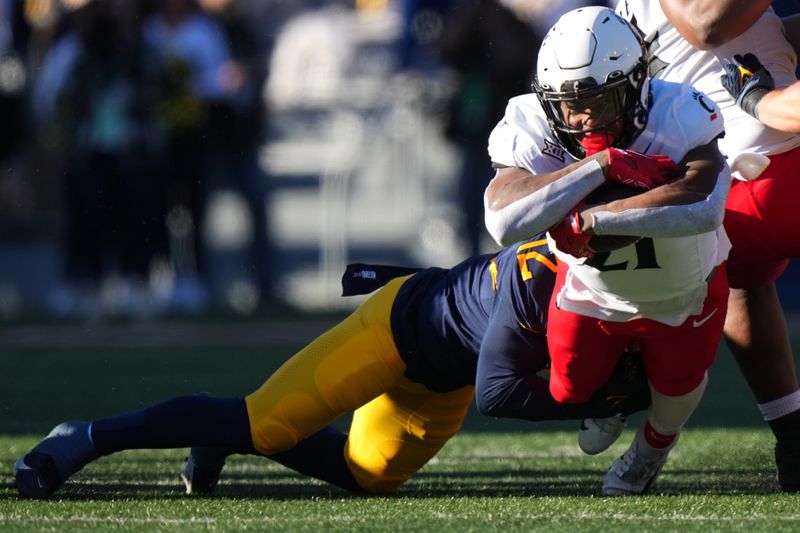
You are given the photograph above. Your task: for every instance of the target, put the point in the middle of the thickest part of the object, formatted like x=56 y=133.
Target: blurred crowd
x=119 y=117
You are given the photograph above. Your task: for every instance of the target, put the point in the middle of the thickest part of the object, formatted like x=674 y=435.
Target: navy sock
x=321 y=456
x=201 y=420
x=182 y=422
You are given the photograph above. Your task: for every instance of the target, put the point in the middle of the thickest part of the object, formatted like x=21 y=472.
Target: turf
x=716 y=480
x=494 y=476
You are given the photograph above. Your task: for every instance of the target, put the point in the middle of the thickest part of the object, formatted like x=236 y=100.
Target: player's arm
x=706 y=24
x=508 y=384
x=511 y=184
x=692 y=203
x=514 y=351
x=519 y=203
x=780 y=108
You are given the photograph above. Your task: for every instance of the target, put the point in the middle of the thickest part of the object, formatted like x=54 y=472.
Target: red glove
x=638 y=170
x=569 y=237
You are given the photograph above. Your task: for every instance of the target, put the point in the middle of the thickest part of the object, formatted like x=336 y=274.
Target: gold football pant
x=397 y=426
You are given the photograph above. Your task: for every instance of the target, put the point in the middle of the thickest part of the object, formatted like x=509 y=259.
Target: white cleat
x=597 y=434
x=634 y=472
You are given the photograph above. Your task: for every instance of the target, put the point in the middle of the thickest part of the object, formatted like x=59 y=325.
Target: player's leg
x=626 y=392
x=337 y=373
x=195 y=419
x=676 y=360
x=756 y=330
x=218 y=427
x=583 y=359
x=397 y=433
x=635 y=471
x=289 y=413
x=583 y=354
x=343 y=369
x=390 y=438
x=320 y=456
x=760 y=220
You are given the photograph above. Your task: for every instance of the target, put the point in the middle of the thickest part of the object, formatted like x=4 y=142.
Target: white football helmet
x=593 y=52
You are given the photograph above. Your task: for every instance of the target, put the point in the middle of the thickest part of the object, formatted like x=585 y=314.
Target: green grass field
x=495 y=475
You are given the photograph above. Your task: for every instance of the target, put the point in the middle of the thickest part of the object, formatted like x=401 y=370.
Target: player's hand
x=748 y=81
x=626 y=391
x=639 y=170
x=569 y=236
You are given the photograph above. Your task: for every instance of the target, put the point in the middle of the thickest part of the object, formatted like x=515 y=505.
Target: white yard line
x=618 y=517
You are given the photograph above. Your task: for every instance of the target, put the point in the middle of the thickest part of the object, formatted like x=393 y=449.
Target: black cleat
x=36 y=475
x=67 y=449
x=787 y=459
x=202 y=470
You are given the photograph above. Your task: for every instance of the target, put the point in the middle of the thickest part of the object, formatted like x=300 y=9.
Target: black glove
x=748 y=81
x=627 y=390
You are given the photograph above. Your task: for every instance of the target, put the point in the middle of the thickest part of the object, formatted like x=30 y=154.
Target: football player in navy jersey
x=407 y=363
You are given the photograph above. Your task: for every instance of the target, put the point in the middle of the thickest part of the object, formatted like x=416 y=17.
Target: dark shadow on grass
x=287 y=486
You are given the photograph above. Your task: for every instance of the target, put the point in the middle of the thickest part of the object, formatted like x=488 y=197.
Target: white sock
x=780 y=407
x=668 y=414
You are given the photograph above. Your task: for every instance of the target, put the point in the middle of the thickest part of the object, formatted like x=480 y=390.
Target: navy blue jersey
x=443 y=320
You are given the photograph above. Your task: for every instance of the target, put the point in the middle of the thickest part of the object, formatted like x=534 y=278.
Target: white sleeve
x=522 y=139
x=544 y=208
x=668 y=221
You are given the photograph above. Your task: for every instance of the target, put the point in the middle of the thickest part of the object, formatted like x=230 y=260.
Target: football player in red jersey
x=697 y=42
x=407 y=363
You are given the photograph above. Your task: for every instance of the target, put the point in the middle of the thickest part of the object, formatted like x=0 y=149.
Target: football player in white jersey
x=692 y=41
x=596 y=117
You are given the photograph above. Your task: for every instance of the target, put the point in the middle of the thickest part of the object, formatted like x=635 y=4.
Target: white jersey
x=672 y=58
x=661 y=279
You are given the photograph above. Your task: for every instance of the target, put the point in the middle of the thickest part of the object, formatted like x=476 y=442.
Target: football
x=608 y=192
